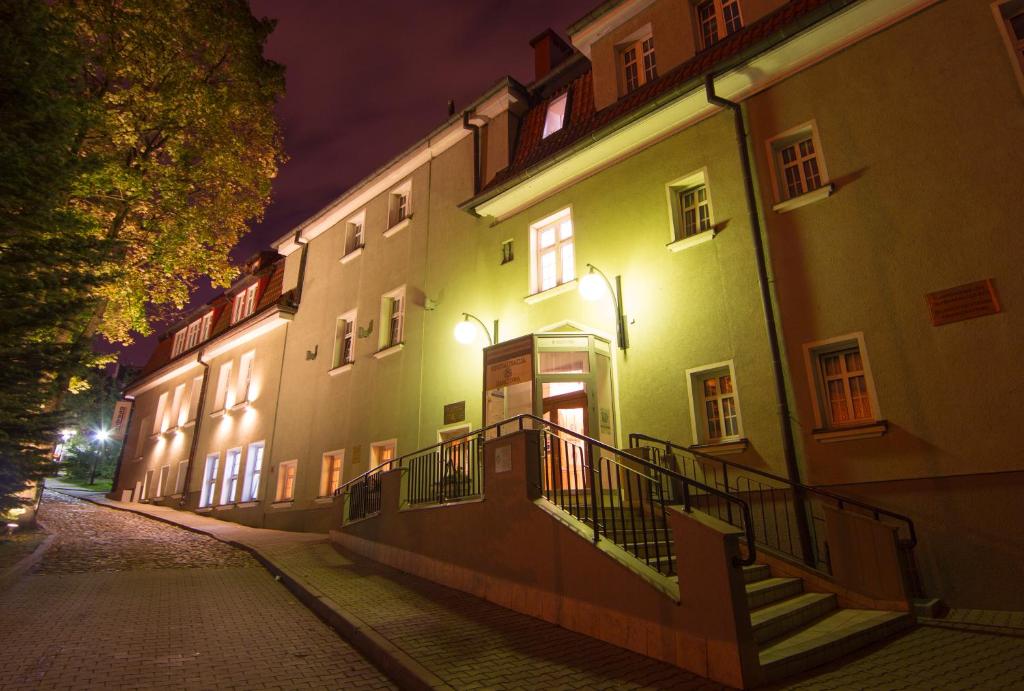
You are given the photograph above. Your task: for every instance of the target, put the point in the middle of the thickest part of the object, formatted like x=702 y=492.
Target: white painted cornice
x=591 y=33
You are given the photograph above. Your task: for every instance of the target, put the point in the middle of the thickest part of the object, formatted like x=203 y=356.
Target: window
x=161 y=409
x=344 y=340
x=554 y=118
x=554 y=257
x=244 y=304
x=193 y=400
x=243 y=388
x=223 y=376
x=205 y=325
x=286 y=480
x=797 y=163
x=161 y=480
x=141 y=434
x=179 y=480
x=715 y=404
x=399 y=207
x=507 y=253
x=179 y=344
x=232 y=463
x=690 y=206
x=381 y=452
x=330 y=473
x=392 y=318
x=253 y=469
x=638 y=63
x=840 y=376
x=354 y=233
x=179 y=394
x=715 y=15
x=209 y=480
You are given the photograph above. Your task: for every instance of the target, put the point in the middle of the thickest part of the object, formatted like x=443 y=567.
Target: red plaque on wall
x=968 y=301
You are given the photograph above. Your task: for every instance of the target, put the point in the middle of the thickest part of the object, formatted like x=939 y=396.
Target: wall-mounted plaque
x=454 y=412
x=963 y=302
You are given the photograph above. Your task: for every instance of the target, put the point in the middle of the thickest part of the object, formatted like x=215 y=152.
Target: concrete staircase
x=796 y=631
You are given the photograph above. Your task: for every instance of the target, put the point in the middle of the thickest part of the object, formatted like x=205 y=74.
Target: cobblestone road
x=123 y=601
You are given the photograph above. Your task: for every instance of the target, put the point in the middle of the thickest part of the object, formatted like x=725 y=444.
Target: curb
x=398 y=665
x=13 y=573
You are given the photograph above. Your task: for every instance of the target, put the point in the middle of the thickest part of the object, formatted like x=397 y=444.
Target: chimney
x=549 y=50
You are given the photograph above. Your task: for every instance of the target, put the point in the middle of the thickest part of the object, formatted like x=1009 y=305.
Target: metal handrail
x=840 y=500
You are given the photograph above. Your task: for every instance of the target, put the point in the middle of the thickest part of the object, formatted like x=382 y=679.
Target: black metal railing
x=621 y=496
x=775 y=502
x=450 y=471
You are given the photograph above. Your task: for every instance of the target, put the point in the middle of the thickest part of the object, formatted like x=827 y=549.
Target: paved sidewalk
x=443 y=638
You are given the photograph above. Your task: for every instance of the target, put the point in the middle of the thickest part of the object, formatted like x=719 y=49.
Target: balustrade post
x=593 y=491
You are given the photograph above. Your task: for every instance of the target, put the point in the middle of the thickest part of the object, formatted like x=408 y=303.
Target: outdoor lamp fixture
x=466 y=331
x=593 y=286
x=102 y=435
x=66 y=434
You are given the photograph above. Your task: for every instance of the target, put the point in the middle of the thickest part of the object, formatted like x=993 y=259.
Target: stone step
x=643 y=549
x=780 y=618
x=756 y=572
x=833 y=636
x=771 y=590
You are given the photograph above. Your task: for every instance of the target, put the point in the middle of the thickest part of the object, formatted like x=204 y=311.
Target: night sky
x=366 y=80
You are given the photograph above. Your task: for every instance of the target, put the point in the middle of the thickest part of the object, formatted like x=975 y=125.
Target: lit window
x=176 y=407
x=392 y=318
x=330 y=473
x=192 y=407
x=638 y=63
x=354 y=233
x=841 y=382
x=797 y=162
x=253 y=468
x=399 y=206
x=554 y=118
x=161 y=480
x=244 y=304
x=243 y=388
x=179 y=481
x=286 y=480
x=223 y=377
x=232 y=463
x=344 y=340
x=381 y=452
x=554 y=251
x=161 y=409
x=209 y=480
x=716 y=411
x=713 y=15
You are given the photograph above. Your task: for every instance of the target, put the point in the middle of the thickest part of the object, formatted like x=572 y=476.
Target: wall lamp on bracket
x=593 y=286
x=466 y=330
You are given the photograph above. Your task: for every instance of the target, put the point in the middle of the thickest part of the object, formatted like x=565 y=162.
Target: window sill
x=398 y=226
x=346 y=258
x=239 y=406
x=340 y=369
x=830 y=436
x=324 y=500
x=282 y=504
x=204 y=509
x=155 y=435
x=692 y=241
x=169 y=432
x=176 y=496
x=805 y=199
x=247 y=504
x=723 y=448
x=190 y=423
x=551 y=292
x=137 y=459
x=390 y=350
x=217 y=413
x=223 y=507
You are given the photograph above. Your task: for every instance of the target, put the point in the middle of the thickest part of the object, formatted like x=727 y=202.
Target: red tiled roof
x=584 y=120
x=271 y=279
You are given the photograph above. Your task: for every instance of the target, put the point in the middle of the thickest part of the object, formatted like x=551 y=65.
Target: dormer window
x=718 y=19
x=554 y=119
x=638 y=63
x=244 y=304
x=179 y=343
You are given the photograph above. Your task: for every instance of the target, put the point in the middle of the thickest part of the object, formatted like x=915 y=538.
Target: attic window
x=554 y=119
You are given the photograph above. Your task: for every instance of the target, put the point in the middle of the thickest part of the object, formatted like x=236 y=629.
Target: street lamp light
x=593 y=286
x=466 y=331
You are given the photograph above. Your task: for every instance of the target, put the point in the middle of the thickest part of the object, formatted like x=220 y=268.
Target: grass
x=16 y=547
x=101 y=485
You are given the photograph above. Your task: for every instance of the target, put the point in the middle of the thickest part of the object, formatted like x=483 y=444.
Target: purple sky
x=366 y=80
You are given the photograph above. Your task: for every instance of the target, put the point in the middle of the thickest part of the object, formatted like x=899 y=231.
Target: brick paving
x=122 y=601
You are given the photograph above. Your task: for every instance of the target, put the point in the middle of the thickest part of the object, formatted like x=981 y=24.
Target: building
x=800 y=237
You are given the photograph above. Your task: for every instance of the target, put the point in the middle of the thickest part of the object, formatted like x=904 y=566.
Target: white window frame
x=344 y=331
x=675 y=191
x=243 y=387
x=190 y=411
x=379 y=449
x=399 y=212
x=1004 y=11
x=775 y=146
x=206 y=323
x=813 y=352
x=554 y=221
x=192 y=337
x=722 y=29
x=640 y=44
x=178 y=345
x=253 y=471
x=389 y=314
x=220 y=399
x=354 y=240
x=179 y=478
x=176 y=400
x=232 y=473
x=331 y=477
x=695 y=377
x=161 y=480
x=244 y=303
x=286 y=470
x=209 y=487
x=554 y=115
x=161 y=413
